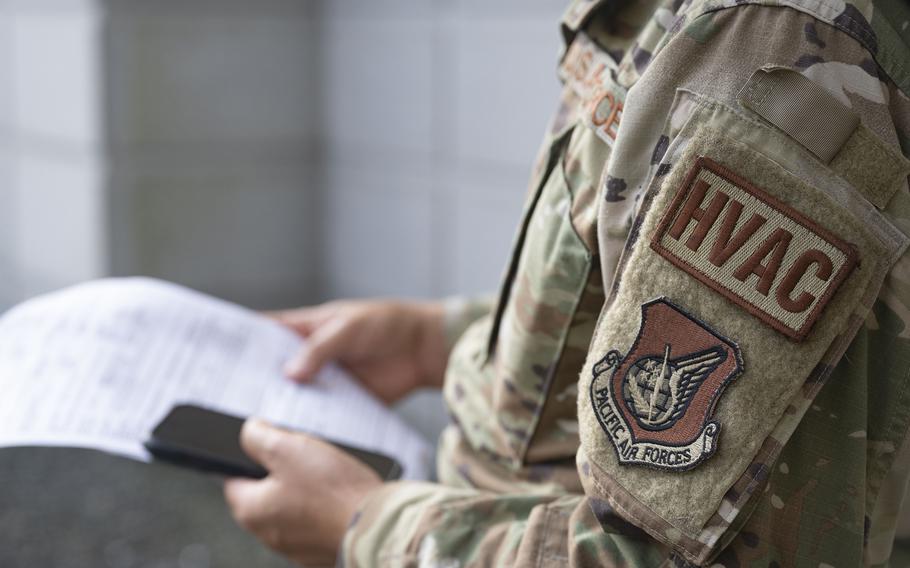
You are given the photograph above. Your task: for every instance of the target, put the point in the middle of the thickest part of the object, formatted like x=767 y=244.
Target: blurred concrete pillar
x=167 y=138
x=215 y=168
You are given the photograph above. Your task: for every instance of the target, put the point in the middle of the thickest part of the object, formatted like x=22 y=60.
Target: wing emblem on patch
x=656 y=403
x=657 y=391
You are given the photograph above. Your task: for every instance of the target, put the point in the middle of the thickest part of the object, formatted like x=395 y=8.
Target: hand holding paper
x=97 y=365
x=392 y=347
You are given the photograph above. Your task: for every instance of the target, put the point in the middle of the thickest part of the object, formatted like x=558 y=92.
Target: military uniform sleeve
x=461 y=312
x=751 y=229
x=717 y=403
x=423 y=524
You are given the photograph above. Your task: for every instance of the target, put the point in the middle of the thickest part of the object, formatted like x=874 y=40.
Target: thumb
x=265 y=444
x=325 y=344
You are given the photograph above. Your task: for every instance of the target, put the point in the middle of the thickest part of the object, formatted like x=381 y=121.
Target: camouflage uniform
x=810 y=463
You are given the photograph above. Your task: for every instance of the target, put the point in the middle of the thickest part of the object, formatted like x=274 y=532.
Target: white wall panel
x=377 y=86
x=379 y=233
x=542 y=10
x=61 y=229
x=10 y=276
x=7 y=71
x=486 y=219
x=56 y=78
x=458 y=92
x=506 y=88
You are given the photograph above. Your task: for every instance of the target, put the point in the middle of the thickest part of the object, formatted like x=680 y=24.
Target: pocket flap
x=828 y=129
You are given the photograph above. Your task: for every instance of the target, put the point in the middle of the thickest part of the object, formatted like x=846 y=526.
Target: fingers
x=247 y=499
x=325 y=344
x=304 y=320
x=266 y=444
x=298 y=367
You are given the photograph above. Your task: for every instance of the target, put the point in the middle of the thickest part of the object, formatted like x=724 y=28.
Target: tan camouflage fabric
x=526 y=476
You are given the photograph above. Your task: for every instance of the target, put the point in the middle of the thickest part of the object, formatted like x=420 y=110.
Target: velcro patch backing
x=758 y=252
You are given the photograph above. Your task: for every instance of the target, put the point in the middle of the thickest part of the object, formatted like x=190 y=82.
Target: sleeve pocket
x=749 y=270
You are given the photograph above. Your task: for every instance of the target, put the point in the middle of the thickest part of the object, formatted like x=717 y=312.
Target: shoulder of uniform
x=879 y=26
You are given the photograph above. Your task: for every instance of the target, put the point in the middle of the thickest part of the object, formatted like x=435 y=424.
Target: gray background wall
x=273 y=152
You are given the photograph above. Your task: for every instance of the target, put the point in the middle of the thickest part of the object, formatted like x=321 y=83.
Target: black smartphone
x=208 y=440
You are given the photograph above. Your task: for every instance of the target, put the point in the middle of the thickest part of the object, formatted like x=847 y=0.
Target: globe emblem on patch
x=657 y=389
x=646 y=391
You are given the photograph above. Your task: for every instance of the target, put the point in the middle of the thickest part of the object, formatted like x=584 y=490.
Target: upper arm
x=740 y=263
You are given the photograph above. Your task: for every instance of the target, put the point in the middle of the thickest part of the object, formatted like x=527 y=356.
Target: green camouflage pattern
x=460 y=313
x=513 y=489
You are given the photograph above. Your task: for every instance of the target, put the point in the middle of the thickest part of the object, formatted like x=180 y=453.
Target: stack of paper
x=99 y=364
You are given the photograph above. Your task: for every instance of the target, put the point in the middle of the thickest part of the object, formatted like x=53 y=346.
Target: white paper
x=99 y=364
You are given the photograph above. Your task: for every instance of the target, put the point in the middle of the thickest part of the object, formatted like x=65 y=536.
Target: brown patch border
x=703 y=162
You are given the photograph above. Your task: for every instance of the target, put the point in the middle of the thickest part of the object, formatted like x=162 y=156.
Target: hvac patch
x=759 y=253
x=656 y=402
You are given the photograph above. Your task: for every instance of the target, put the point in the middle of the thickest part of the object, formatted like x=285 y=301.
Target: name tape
x=587 y=70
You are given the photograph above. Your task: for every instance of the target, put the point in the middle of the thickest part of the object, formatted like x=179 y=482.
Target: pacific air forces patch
x=656 y=402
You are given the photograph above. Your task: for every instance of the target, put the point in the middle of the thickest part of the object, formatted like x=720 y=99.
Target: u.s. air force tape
x=588 y=71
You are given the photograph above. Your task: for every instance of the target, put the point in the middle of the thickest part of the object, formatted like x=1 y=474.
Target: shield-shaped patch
x=656 y=402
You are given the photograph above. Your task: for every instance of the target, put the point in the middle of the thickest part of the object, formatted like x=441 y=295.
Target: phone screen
x=204 y=439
